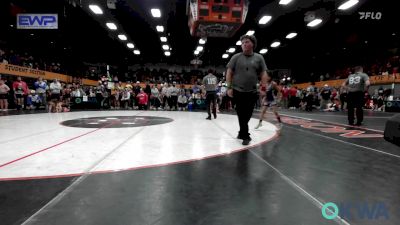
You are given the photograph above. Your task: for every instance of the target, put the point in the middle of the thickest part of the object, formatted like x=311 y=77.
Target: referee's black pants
x=355 y=100
x=211 y=97
x=244 y=102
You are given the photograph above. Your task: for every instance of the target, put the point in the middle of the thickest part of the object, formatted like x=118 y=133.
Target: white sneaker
x=258 y=125
x=279 y=126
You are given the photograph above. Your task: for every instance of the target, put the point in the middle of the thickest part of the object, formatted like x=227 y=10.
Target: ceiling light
x=95 y=9
x=165 y=47
x=122 y=37
x=284 y=2
x=156 y=13
x=314 y=23
x=231 y=50
x=130 y=45
x=167 y=53
x=263 y=51
x=163 y=39
x=224 y=56
x=160 y=28
x=196 y=52
x=264 y=19
x=238 y=43
x=348 y=4
x=136 y=52
x=291 y=35
x=275 y=44
x=199 y=48
x=111 y=26
x=250 y=32
x=202 y=41
x=11 y=25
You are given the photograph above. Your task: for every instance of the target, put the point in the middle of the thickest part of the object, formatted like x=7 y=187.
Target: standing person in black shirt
x=147 y=90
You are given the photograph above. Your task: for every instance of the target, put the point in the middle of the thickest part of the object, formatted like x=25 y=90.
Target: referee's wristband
x=229 y=86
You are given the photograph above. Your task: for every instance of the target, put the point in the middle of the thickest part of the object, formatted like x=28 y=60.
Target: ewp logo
x=359 y=211
x=37 y=21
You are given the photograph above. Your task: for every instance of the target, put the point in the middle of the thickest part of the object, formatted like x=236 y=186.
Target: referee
x=357 y=84
x=243 y=72
x=210 y=82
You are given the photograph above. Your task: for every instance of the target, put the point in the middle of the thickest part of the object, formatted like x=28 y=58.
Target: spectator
x=126 y=96
x=41 y=88
x=182 y=101
x=4 y=90
x=155 y=97
x=174 y=91
x=285 y=97
x=147 y=90
x=343 y=98
x=292 y=98
x=33 y=101
x=325 y=96
x=77 y=92
x=142 y=99
x=55 y=97
x=310 y=97
x=20 y=91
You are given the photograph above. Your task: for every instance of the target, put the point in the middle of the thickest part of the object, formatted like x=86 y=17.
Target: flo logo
x=370 y=15
x=353 y=211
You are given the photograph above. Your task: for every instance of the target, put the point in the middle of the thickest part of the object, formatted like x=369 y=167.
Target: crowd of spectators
x=164 y=90
x=110 y=93
x=93 y=72
x=379 y=67
x=27 y=60
x=329 y=98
